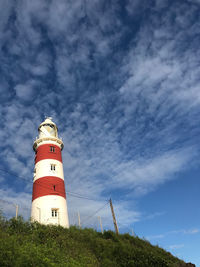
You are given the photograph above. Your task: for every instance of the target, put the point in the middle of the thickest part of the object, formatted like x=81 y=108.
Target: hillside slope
x=26 y=244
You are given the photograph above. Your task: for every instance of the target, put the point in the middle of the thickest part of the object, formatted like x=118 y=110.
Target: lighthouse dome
x=48 y=128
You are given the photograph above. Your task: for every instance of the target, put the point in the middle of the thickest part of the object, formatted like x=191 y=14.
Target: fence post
x=100 y=224
x=16 y=214
x=79 y=220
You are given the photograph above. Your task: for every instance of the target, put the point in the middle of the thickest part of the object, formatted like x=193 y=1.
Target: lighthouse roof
x=48 y=120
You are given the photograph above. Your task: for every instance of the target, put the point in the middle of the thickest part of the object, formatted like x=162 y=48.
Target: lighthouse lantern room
x=49 y=204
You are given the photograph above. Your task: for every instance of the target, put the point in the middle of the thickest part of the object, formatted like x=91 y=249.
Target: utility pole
x=79 y=220
x=17 y=207
x=113 y=215
x=100 y=224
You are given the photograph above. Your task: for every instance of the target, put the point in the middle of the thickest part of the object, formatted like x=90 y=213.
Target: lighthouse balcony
x=47 y=140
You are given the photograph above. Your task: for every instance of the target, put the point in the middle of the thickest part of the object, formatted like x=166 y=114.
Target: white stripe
x=42 y=210
x=43 y=168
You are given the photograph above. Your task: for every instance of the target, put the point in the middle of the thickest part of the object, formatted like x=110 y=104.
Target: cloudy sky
x=121 y=81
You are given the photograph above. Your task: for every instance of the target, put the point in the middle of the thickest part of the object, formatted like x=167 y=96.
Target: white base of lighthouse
x=50 y=209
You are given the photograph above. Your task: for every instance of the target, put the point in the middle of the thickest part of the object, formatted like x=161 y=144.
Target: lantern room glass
x=51 y=129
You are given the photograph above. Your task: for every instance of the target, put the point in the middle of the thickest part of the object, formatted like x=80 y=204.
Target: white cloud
x=27 y=91
x=24 y=22
x=151 y=237
x=9 y=199
x=154 y=215
x=118 y=110
x=7 y=8
x=195 y=1
x=176 y=246
x=191 y=231
x=187 y=231
x=158 y=72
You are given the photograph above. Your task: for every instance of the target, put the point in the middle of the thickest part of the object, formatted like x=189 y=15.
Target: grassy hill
x=31 y=244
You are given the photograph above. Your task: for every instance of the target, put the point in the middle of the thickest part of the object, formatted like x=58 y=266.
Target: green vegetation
x=26 y=244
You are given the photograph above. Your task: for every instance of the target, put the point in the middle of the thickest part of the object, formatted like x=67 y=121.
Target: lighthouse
x=49 y=205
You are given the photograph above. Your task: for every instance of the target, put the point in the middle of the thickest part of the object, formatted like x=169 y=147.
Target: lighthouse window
x=53 y=167
x=52 y=149
x=54 y=212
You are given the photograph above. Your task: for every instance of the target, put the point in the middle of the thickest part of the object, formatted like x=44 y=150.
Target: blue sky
x=121 y=81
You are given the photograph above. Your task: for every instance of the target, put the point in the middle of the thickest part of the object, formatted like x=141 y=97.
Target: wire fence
x=90 y=213
x=99 y=219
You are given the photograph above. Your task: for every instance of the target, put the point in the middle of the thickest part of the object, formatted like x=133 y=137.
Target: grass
x=31 y=244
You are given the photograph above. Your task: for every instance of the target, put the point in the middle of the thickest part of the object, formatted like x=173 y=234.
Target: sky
x=121 y=81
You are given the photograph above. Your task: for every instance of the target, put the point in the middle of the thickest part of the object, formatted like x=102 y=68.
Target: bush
x=32 y=244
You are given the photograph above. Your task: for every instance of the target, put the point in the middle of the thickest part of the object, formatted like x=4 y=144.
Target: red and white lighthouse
x=49 y=205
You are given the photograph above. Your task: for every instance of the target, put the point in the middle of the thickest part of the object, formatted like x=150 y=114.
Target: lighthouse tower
x=49 y=204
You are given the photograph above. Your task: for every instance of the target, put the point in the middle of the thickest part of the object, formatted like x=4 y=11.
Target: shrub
x=32 y=244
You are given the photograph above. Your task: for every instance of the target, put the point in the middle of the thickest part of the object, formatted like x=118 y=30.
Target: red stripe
x=44 y=152
x=48 y=185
